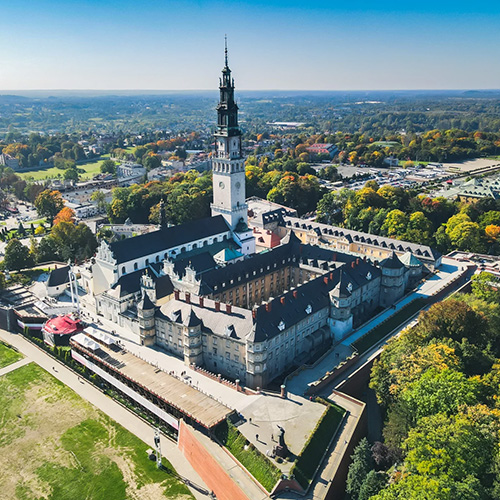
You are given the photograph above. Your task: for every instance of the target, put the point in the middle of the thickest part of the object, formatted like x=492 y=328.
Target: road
x=118 y=413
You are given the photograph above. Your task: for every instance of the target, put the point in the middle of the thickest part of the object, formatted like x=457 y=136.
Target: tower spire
x=225 y=50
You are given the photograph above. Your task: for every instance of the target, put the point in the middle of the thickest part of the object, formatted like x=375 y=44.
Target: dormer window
x=349 y=287
x=309 y=309
x=281 y=326
x=368 y=275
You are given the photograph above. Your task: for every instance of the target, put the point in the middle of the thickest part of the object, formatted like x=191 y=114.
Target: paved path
x=341 y=444
x=14 y=366
x=107 y=405
x=448 y=271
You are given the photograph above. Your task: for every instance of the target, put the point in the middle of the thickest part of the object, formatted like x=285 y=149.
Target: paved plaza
x=296 y=415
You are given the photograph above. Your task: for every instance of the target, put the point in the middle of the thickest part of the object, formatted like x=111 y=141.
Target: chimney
x=325 y=279
x=331 y=276
x=254 y=313
x=283 y=300
x=353 y=263
x=334 y=258
x=201 y=301
x=228 y=308
x=188 y=298
x=357 y=262
x=268 y=306
x=176 y=294
x=217 y=305
x=295 y=294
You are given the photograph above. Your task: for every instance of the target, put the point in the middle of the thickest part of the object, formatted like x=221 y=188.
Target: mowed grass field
x=8 y=355
x=56 y=446
x=90 y=169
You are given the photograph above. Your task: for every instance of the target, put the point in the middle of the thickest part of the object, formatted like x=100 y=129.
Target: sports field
x=56 y=446
x=90 y=169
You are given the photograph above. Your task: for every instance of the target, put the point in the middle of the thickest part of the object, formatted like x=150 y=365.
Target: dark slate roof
x=392 y=262
x=58 y=276
x=314 y=293
x=379 y=241
x=200 y=263
x=131 y=283
x=258 y=265
x=163 y=239
x=146 y=304
x=192 y=319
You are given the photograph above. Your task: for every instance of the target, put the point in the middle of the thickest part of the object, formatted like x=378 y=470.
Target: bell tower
x=228 y=163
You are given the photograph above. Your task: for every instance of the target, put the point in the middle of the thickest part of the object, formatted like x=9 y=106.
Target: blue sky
x=315 y=45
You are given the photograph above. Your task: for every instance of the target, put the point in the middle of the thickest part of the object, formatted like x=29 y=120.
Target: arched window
x=166 y=256
x=123 y=270
x=147 y=262
x=157 y=258
x=135 y=266
x=195 y=245
x=183 y=249
x=205 y=243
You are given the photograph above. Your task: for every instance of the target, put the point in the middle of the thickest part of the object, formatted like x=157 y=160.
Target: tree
x=455 y=320
x=17 y=256
x=151 y=162
x=457 y=446
x=73 y=242
x=486 y=286
x=108 y=167
x=395 y=223
x=440 y=392
x=71 y=174
x=466 y=236
x=329 y=208
x=47 y=250
x=492 y=233
x=65 y=215
x=359 y=468
x=372 y=484
x=49 y=203
x=100 y=198
x=21 y=232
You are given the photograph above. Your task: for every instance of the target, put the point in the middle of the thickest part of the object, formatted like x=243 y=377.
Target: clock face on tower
x=221 y=185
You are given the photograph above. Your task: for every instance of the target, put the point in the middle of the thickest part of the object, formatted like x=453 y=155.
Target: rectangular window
x=180 y=342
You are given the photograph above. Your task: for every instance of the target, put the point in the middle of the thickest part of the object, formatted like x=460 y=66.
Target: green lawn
x=90 y=170
x=251 y=458
x=8 y=355
x=317 y=444
x=380 y=331
x=56 y=446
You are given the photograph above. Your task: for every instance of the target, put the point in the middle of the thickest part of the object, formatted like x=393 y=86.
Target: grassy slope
x=68 y=449
x=315 y=447
x=8 y=355
x=252 y=459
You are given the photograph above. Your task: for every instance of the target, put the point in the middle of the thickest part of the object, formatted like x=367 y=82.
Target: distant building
x=130 y=173
x=323 y=149
x=9 y=161
x=474 y=190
